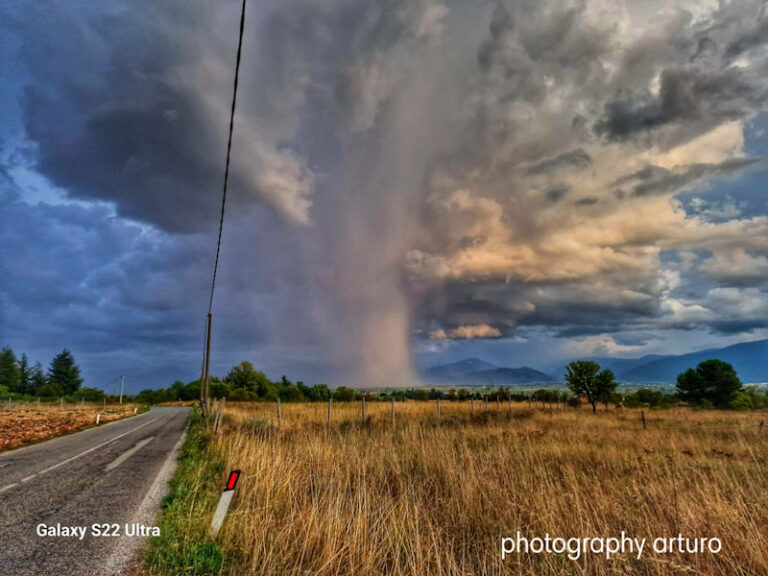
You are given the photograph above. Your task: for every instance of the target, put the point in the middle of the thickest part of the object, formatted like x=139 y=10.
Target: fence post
x=393 y=409
x=642 y=415
x=437 y=406
x=219 y=415
x=330 y=401
x=486 y=403
x=279 y=413
x=509 y=403
x=363 y=411
x=471 y=406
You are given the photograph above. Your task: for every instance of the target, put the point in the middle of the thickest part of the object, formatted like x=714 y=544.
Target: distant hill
x=750 y=360
x=616 y=365
x=476 y=372
x=456 y=369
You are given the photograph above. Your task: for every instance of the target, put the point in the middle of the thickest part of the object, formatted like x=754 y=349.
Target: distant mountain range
x=476 y=372
x=750 y=360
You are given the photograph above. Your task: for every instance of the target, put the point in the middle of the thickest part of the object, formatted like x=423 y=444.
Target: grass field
x=435 y=496
x=22 y=424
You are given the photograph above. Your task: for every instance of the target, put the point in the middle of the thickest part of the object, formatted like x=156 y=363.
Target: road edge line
x=122 y=556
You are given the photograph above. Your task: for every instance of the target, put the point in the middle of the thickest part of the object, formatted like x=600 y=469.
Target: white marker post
x=98 y=418
x=224 y=502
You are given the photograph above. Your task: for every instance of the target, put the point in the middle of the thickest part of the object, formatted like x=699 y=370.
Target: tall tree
x=585 y=379
x=713 y=380
x=65 y=373
x=25 y=375
x=37 y=379
x=9 y=370
x=245 y=376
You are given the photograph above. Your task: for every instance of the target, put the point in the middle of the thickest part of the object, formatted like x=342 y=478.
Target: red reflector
x=233 y=476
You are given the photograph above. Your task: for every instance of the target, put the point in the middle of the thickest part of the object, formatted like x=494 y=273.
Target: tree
x=65 y=373
x=25 y=376
x=712 y=380
x=607 y=388
x=9 y=370
x=584 y=378
x=345 y=394
x=37 y=379
x=245 y=376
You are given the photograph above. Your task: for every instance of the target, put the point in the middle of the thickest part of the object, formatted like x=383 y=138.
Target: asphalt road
x=114 y=474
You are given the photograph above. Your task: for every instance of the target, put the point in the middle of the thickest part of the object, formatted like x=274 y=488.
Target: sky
x=413 y=182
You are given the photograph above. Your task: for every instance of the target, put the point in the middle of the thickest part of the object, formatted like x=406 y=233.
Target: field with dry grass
x=22 y=424
x=435 y=496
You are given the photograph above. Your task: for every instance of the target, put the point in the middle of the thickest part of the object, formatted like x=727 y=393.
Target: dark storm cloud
x=570 y=308
x=118 y=129
x=130 y=299
x=132 y=109
x=685 y=95
x=753 y=38
x=656 y=180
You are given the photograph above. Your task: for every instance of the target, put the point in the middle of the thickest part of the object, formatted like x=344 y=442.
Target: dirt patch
x=21 y=425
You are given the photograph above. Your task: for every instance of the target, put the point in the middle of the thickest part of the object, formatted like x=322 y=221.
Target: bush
x=345 y=394
x=647 y=398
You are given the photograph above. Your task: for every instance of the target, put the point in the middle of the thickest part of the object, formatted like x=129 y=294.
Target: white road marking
x=145 y=513
x=127 y=454
x=4 y=488
x=76 y=456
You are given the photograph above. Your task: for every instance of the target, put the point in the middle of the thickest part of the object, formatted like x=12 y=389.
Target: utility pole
x=206 y=370
x=122 y=386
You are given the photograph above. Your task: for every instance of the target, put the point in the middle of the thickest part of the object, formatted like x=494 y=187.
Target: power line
x=229 y=152
x=207 y=349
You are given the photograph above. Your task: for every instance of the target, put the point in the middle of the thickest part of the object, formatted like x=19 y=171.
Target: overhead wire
x=229 y=153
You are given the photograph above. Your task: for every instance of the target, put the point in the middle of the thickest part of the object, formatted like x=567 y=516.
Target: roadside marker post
x=224 y=502
x=98 y=418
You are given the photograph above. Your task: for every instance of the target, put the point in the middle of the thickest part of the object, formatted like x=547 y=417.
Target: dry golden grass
x=22 y=424
x=426 y=498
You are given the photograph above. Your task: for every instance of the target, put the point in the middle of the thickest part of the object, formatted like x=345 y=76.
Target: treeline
x=242 y=383
x=712 y=384
x=18 y=377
